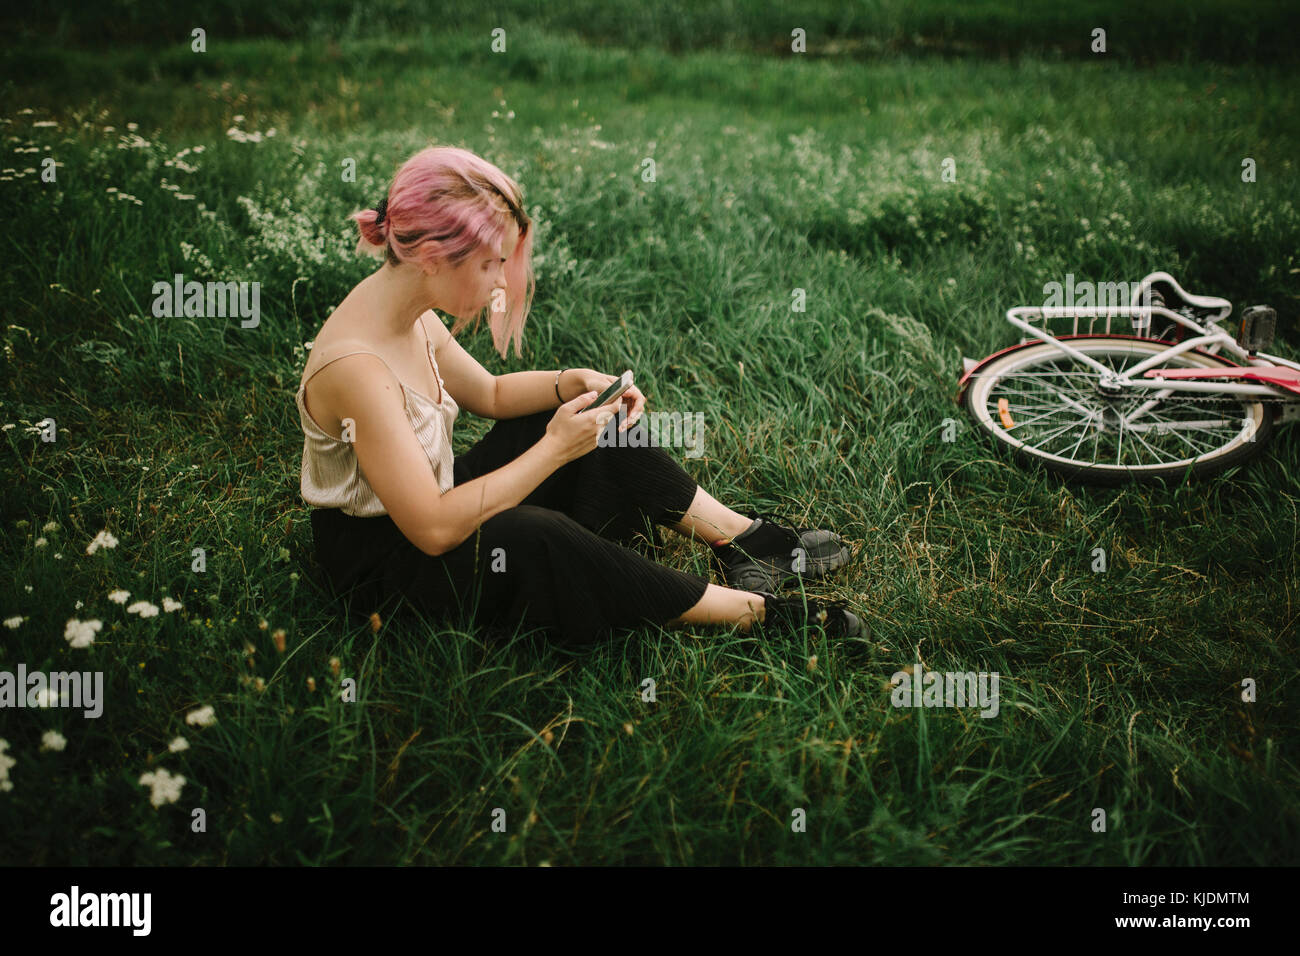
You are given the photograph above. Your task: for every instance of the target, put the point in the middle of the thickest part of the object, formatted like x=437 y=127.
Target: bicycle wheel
x=1044 y=406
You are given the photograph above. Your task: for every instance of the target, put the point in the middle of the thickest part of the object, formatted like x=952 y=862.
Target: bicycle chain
x=1211 y=399
x=1245 y=399
x=1191 y=397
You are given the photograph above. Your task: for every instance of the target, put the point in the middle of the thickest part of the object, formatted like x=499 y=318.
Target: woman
x=530 y=526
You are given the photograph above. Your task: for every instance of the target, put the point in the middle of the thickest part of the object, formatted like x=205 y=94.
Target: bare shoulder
x=352 y=385
x=327 y=355
x=342 y=368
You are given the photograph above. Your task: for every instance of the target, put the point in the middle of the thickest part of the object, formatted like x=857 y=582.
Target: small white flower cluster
x=164 y=787
x=175 y=190
x=192 y=252
x=5 y=763
x=176 y=161
x=202 y=717
x=127 y=196
x=102 y=540
x=144 y=608
x=46 y=698
x=29 y=428
x=134 y=141
x=53 y=740
x=239 y=136
x=13 y=622
x=81 y=633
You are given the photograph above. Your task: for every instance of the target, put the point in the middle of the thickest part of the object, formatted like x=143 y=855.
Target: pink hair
x=446 y=204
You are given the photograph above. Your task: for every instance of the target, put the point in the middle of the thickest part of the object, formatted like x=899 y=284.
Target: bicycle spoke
x=1059 y=430
x=1154 y=454
x=1078 y=443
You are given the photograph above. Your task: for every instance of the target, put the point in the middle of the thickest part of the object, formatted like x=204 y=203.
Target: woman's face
x=483 y=273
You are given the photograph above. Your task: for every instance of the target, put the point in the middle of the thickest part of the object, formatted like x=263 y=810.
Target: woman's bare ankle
x=726 y=606
x=759 y=611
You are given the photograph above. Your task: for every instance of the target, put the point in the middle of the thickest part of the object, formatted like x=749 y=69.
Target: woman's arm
x=522 y=393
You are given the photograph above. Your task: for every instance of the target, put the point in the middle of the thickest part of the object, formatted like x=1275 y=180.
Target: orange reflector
x=1004 y=413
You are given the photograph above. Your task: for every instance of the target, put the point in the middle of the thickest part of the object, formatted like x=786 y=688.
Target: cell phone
x=616 y=388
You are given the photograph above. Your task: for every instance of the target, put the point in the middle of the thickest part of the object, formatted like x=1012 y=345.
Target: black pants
x=558 y=562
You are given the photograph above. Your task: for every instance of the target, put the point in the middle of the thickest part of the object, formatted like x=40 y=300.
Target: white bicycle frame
x=1211 y=338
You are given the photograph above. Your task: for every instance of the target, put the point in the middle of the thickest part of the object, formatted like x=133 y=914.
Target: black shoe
x=788 y=614
x=769 y=554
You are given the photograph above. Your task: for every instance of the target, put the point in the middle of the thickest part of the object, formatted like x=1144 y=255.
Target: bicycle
x=1105 y=408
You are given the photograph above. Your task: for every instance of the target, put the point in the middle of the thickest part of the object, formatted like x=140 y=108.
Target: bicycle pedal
x=1258 y=326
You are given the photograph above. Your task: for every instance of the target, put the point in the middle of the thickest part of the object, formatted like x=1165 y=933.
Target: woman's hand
x=632 y=400
x=573 y=432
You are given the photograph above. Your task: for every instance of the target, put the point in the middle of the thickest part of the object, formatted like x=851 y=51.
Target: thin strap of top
x=428 y=348
x=345 y=355
x=331 y=474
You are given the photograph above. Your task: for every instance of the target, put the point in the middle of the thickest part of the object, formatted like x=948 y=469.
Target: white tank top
x=332 y=476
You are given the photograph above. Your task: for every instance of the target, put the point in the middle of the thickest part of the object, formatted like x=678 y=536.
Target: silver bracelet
x=557 y=384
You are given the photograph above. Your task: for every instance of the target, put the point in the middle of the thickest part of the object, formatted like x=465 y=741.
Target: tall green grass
x=1120 y=690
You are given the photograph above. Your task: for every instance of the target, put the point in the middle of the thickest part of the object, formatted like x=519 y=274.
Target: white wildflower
x=13 y=622
x=53 y=740
x=81 y=633
x=118 y=597
x=165 y=788
x=169 y=605
x=102 y=540
x=50 y=526
x=46 y=698
x=5 y=763
x=41 y=542
x=203 y=717
x=143 y=608
x=179 y=744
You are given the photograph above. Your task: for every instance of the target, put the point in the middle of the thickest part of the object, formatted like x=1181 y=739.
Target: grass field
x=1120 y=690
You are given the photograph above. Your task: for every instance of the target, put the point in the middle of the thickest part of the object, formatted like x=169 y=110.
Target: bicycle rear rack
x=1139 y=320
x=1145 y=301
